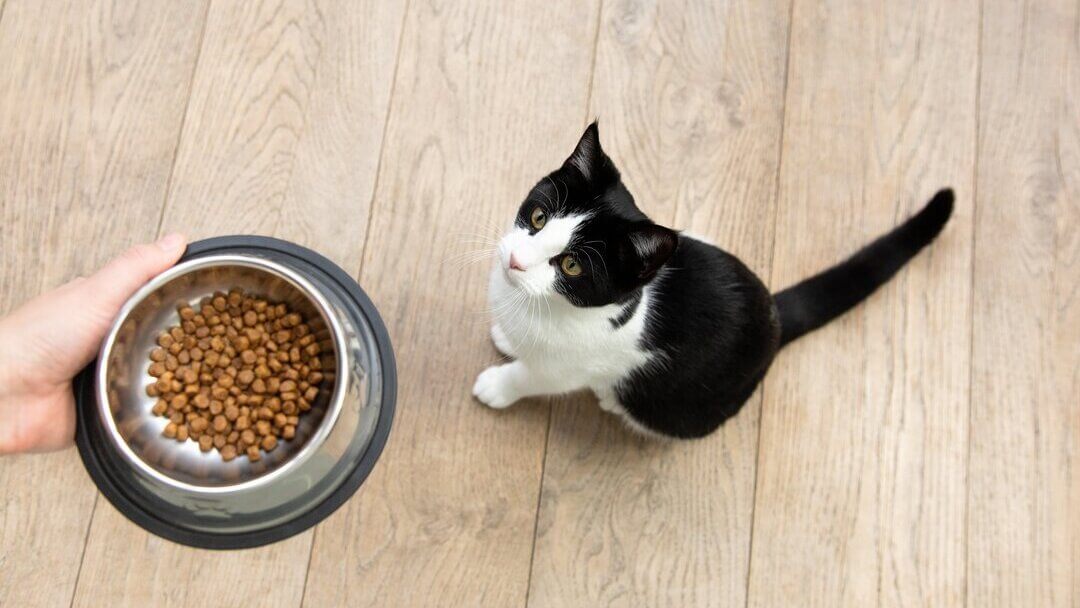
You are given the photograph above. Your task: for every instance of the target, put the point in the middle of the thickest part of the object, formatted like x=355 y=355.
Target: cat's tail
x=821 y=298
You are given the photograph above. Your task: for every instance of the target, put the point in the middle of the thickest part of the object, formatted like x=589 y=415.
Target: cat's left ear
x=589 y=159
x=646 y=247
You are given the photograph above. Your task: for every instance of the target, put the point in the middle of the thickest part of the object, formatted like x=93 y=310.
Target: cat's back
x=713 y=324
x=704 y=290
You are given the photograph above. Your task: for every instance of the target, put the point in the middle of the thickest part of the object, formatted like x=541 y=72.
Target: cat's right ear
x=589 y=160
x=645 y=248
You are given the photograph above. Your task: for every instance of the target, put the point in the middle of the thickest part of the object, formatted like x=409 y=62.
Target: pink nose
x=515 y=264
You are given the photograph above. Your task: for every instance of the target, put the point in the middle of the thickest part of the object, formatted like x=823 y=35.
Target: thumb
x=63 y=328
x=108 y=288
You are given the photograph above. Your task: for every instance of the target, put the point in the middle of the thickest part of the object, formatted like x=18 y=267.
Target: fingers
x=109 y=287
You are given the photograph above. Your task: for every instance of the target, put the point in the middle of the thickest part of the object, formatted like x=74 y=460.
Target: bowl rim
x=225 y=259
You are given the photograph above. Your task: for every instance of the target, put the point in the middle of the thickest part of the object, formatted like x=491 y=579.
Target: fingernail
x=171 y=242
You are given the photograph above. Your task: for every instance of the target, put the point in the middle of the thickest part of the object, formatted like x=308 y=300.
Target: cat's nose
x=515 y=264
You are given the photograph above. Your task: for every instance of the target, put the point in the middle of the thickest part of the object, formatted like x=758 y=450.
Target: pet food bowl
x=176 y=491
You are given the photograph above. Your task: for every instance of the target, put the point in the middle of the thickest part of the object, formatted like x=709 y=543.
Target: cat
x=670 y=332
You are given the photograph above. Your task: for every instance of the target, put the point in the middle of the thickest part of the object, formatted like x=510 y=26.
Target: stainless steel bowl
x=180 y=492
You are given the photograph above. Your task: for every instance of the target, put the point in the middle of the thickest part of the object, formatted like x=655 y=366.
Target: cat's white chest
x=555 y=338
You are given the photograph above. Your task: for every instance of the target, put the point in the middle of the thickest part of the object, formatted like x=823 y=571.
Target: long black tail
x=823 y=297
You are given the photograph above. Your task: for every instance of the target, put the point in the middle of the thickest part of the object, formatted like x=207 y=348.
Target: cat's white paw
x=502 y=343
x=493 y=388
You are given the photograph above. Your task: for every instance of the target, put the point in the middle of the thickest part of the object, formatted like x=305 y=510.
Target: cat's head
x=579 y=234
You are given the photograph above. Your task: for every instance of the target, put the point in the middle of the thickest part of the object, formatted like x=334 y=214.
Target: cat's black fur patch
x=713 y=326
x=628 y=310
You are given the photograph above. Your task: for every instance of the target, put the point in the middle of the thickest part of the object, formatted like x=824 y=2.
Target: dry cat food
x=235 y=375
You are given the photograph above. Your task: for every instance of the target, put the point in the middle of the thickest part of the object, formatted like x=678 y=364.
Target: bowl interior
x=126 y=360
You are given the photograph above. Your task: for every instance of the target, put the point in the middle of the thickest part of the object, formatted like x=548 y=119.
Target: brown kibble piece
x=220 y=423
x=269 y=442
x=253 y=453
x=206 y=442
x=170 y=430
x=228 y=453
x=288 y=432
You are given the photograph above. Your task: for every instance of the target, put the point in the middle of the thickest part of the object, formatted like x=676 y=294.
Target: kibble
x=234 y=373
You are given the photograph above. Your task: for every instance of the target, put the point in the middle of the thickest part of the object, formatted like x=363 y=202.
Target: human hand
x=49 y=339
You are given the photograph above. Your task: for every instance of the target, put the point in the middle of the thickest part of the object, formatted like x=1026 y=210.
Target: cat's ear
x=646 y=247
x=589 y=159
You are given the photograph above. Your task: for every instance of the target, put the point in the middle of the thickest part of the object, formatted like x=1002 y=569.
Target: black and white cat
x=671 y=333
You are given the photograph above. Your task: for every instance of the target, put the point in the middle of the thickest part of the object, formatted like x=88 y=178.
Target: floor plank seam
x=183 y=119
x=307 y=570
x=86 y=543
x=386 y=127
x=539 y=502
x=971 y=302
x=772 y=280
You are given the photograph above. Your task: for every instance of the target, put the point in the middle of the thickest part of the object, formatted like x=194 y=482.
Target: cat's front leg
x=502 y=343
x=501 y=385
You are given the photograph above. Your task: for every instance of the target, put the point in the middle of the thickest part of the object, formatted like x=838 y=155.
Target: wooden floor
x=923 y=450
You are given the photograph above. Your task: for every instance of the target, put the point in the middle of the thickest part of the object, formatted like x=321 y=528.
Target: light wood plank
x=91 y=96
x=488 y=97
x=861 y=485
x=282 y=137
x=690 y=97
x=1023 y=522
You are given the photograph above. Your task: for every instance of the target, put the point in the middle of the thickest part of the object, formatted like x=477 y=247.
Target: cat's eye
x=539 y=218
x=570 y=266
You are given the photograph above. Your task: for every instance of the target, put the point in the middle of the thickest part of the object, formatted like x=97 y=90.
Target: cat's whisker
x=505 y=305
x=597 y=255
x=485 y=223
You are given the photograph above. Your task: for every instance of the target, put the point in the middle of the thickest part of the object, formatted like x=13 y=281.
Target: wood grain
x=489 y=96
x=861 y=484
x=690 y=99
x=1023 y=523
x=91 y=96
x=281 y=137
x=919 y=451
